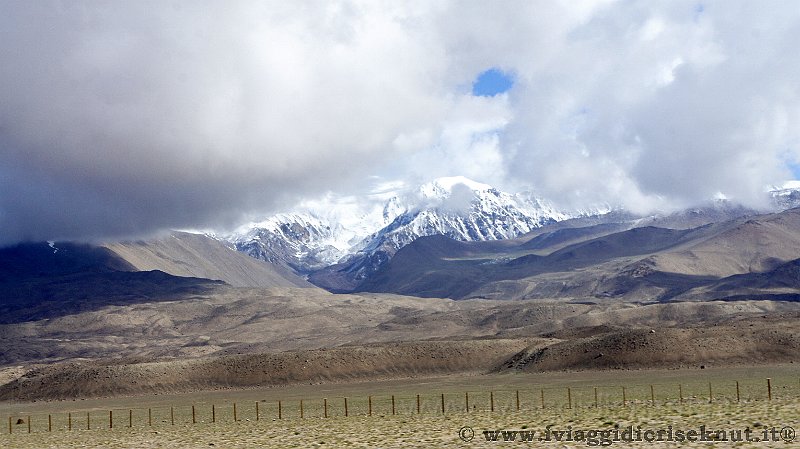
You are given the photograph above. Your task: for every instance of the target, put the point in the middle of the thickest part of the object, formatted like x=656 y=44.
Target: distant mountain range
x=519 y=268
x=339 y=254
x=749 y=257
x=451 y=238
x=340 y=245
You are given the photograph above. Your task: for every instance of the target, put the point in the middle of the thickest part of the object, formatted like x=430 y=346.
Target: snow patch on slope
x=335 y=228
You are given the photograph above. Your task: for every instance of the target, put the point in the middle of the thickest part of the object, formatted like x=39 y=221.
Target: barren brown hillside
x=385 y=361
x=240 y=338
x=197 y=255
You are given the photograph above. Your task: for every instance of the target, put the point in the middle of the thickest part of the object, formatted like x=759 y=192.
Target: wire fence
x=382 y=405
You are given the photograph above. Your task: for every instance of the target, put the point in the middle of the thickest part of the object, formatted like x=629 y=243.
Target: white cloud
x=467 y=144
x=678 y=106
x=120 y=119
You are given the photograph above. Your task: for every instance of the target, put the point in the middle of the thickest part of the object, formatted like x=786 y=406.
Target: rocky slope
x=340 y=243
x=601 y=262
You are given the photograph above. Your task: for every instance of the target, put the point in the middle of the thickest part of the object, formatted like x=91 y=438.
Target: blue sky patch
x=492 y=82
x=795 y=168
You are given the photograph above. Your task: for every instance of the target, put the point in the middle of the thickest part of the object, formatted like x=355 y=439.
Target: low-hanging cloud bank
x=121 y=119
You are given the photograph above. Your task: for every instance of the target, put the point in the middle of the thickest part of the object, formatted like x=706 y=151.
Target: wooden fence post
x=150 y=417
x=280 y=410
x=466 y=400
x=652 y=396
x=213 y=413
x=325 y=406
x=769 y=388
x=569 y=398
x=130 y=418
x=392 y=404
x=10 y=428
x=370 y=405
x=738 y=398
x=443 y=403
x=88 y=425
x=595 y=398
x=194 y=418
x=517 y=400
x=29 y=423
x=710 y=394
x=235 y=416
x=542 y=397
x=172 y=415
x=345 y=407
x=49 y=423
x=69 y=421
x=111 y=419
x=417 y=404
x=624 y=398
x=257 y=413
x=491 y=401
x=680 y=392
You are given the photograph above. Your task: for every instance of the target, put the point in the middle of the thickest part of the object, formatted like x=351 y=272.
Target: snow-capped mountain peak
x=333 y=229
x=443 y=187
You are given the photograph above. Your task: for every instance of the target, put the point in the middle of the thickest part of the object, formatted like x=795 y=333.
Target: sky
x=122 y=119
x=492 y=82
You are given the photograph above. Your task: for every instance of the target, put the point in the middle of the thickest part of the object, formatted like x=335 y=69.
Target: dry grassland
x=569 y=401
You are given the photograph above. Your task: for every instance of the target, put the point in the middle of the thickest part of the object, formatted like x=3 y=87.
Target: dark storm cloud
x=121 y=119
x=124 y=118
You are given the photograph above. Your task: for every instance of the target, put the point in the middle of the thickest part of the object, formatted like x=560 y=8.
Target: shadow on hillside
x=38 y=298
x=47 y=280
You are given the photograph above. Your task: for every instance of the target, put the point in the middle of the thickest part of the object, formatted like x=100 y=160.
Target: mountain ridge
x=51 y=279
x=641 y=263
x=310 y=239
x=328 y=251
x=198 y=255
